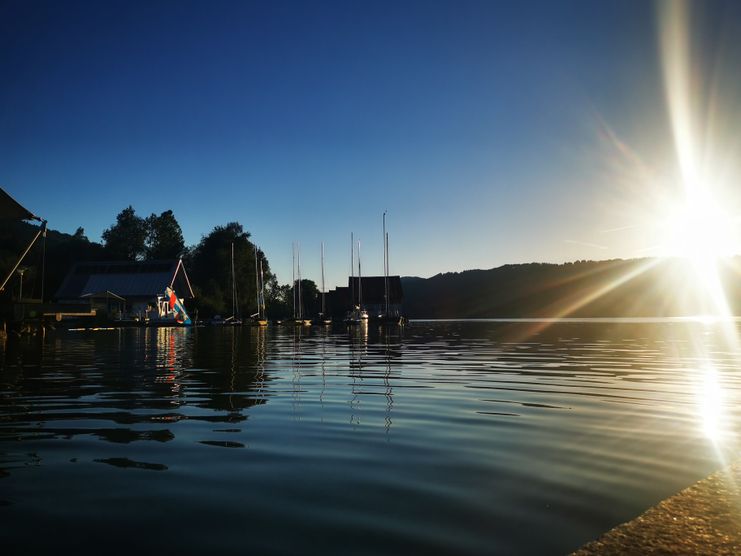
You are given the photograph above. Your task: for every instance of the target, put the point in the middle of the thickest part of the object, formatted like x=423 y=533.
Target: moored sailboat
x=362 y=313
x=234 y=319
x=322 y=318
x=259 y=318
x=170 y=310
x=387 y=316
x=298 y=305
x=358 y=315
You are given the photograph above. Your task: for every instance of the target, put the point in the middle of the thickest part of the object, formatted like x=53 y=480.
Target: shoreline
x=704 y=518
x=701 y=319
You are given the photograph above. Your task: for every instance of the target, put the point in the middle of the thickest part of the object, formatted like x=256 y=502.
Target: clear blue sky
x=480 y=126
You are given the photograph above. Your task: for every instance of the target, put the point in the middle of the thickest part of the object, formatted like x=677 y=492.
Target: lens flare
x=710 y=402
x=697 y=226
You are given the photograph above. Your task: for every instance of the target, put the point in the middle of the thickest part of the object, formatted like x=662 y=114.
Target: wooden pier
x=31 y=316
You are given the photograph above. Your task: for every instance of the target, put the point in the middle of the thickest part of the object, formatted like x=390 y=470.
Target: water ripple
x=448 y=437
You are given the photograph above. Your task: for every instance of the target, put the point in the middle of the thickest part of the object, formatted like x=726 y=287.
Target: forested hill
x=614 y=288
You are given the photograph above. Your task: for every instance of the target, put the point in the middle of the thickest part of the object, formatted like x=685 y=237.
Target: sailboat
x=357 y=315
x=362 y=313
x=323 y=318
x=259 y=318
x=170 y=310
x=387 y=316
x=233 y=320
x=298 y=304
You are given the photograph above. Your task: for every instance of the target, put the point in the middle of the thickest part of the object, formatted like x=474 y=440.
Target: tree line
x=157 y=236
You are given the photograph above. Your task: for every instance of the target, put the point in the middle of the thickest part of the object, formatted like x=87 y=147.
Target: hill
x=612 y=288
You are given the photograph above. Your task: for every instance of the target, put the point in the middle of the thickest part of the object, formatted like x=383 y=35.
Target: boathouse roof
x=10 y=209
x=127 y=279
x=373 y=289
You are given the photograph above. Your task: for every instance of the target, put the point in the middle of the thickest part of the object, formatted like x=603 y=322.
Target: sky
x=491 y=132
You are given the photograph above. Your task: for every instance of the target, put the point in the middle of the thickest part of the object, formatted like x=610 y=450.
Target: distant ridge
x=611 y=288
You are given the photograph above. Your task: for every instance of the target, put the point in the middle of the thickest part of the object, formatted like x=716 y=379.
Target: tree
x=79 y=234
x=278 y=299
x=126 y=238
x=309 y=298
x=164 y=237
x=210 y=267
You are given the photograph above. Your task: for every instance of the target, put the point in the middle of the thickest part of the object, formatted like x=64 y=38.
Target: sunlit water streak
x=452 y=437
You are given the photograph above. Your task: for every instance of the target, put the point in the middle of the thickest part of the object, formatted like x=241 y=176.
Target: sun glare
x=697 y=228
x=699 y=233
x=710 y=400
x=700 y=230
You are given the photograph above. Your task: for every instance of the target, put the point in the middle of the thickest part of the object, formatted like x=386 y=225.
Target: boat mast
x=234 y=287
x=360 y=281
x=323 y=307
x=293 y=276
x=262 y=293
x=257 y=284
x=298 y=267
x=385 y=267
x=388 y=267
x=352 y=272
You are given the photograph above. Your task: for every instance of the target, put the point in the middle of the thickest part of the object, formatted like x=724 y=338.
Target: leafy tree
x=164 y=237
x=310 y=298
x=79 y=234
x=126 y=238
x=210 y=267
x=278 y=299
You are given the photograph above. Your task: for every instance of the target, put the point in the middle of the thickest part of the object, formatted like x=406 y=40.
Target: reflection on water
x=447 y=437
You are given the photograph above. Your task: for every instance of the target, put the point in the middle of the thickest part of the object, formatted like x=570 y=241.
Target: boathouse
x=131 y=288
x=373 y=291
x=15 y=308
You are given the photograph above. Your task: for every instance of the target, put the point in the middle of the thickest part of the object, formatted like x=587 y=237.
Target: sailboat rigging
x=363 y=314
x=323 y=318
x=388 y=316
x=298 y=305
x=259 y=317
x=357 y=314
x=234 y=319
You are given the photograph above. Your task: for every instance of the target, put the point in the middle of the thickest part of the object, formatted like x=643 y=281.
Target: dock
x=32 y=316
x=704 y=518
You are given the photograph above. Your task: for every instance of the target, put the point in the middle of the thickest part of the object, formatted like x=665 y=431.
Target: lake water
x=441 y=437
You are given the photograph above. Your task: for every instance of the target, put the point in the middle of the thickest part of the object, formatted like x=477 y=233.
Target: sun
x=699 y=229
x=701 y=235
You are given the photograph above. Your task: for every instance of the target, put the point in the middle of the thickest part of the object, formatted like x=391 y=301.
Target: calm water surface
x=449 y=437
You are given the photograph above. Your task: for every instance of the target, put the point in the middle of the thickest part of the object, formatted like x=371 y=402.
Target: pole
x=20 y=260
x=385 y=269
x=298 y=268
x=323 y=308
x=360 y=281
x=388 y=300
x=43 y=265
x=234 y=288
x=257 y=285
x=262 y=293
